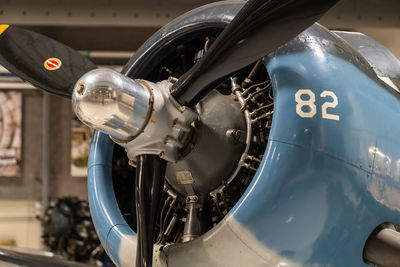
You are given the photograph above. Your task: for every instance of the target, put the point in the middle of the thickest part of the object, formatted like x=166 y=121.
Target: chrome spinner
x=140 y=116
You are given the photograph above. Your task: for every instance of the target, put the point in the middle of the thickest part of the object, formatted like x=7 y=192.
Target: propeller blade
x=150 y=175
x=260 y=27
x=42 y=61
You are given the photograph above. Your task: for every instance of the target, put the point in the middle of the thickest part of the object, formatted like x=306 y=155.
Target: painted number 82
x=310 y=103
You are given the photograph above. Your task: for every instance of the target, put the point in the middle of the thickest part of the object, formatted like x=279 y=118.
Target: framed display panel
x=10 y=132
x=80 y=146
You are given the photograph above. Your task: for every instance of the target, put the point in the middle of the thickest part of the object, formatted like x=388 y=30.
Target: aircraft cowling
x=330 y=173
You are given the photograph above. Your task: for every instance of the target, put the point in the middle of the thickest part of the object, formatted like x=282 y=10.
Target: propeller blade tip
x=3 y=27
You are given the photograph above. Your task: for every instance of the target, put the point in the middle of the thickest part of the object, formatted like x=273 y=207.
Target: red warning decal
x=52 y=63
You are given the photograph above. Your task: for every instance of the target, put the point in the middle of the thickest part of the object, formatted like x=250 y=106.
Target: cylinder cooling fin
x=195 y=208
x=219 y=159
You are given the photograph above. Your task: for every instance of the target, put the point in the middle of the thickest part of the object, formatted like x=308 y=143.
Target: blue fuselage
x=325 y=182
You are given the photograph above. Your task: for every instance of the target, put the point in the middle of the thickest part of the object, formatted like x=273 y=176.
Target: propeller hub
x=139 y=115
x=169 y=129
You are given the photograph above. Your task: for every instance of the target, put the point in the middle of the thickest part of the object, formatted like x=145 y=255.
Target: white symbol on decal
x=326 y=105
x=302 y=103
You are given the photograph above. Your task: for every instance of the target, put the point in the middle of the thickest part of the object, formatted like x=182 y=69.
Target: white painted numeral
x=326 y=105
x=309 y=102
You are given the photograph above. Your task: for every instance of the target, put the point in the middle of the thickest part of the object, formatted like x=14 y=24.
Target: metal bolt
x=234 y=134
x=166 y=140
x=172 y=79
x=192 y=199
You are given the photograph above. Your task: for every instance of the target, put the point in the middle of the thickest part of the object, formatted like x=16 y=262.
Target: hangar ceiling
x=124 y=24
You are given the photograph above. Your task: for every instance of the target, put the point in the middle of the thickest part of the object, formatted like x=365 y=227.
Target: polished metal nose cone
x=112 y=103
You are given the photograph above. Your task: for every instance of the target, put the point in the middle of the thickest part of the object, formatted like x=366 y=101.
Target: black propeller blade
x=259 y=28
x=150 y=174
x=42 y=61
